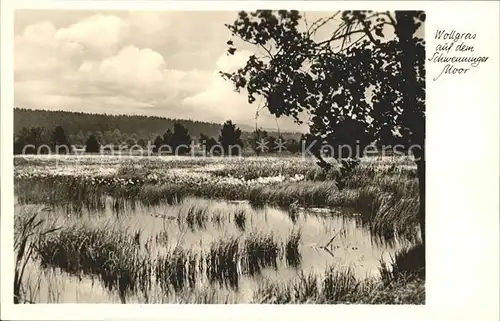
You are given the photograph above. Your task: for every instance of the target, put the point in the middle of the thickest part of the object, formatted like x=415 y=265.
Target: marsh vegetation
x=213 y=230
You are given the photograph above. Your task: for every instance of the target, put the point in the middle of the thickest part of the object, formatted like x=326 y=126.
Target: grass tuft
x=292 y=253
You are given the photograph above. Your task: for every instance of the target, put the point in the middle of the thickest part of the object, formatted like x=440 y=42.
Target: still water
x=328 y=237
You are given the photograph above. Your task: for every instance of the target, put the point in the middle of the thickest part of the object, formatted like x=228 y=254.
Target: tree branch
x=267 y=50
x=324 y=21
x=393 y=21
x=307 y=25
x=349 y=31
x=353 y=43
x=334 y=38
x=368 y=32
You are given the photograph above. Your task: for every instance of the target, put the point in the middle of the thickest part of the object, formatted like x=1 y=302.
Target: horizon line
x=162 y=117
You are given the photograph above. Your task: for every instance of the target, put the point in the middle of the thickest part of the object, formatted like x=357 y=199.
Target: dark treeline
x=57 y=129
x=78 y=122
x=112 y=129
x=175 y=140
x=178 y=141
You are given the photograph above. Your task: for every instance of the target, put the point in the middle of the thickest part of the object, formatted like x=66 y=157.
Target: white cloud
x=219 y=99
x=59 y=68
x=150 y=22
x=40 y=33
x=221 y=102
x=37 y=50
x=131 y=66
x=143 y=62
x=99 y=33
x=229 y=63
x=142 y=73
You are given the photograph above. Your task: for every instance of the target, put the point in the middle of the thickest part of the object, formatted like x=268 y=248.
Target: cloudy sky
x=129 y=62
x=150 y=63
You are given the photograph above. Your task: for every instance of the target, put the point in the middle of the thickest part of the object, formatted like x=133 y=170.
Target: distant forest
x=93 y=132
x=78 y=126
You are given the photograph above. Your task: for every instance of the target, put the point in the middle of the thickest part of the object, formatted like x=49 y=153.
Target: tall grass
x=261 y=251
x=114 y=257
x=384 y=192
x=29 y=227
x=196 y=217
x=292 y=253
x=125 y=265
x=218 y=218
x=407 y=264
x=71 y=193
x=368 y=169
x=386 y=213
x=128 y=267
x=177 y=270
x=340 y=286
x=240 y=219
x=334 y=286
x=222 y=262
x=154 y=194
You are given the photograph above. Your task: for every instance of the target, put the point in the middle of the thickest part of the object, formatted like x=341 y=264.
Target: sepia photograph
x=219 y=157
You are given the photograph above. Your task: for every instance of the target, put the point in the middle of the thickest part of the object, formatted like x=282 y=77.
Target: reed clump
x=340 y=287
x=112 y=256
x=240 y=219
x=29 y=227
x=401 y=282
x=292 y=253
x=222 y=262
x=261 y=251
x=177 y=270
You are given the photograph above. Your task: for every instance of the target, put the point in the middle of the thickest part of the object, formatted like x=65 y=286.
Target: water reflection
x=326 y=238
